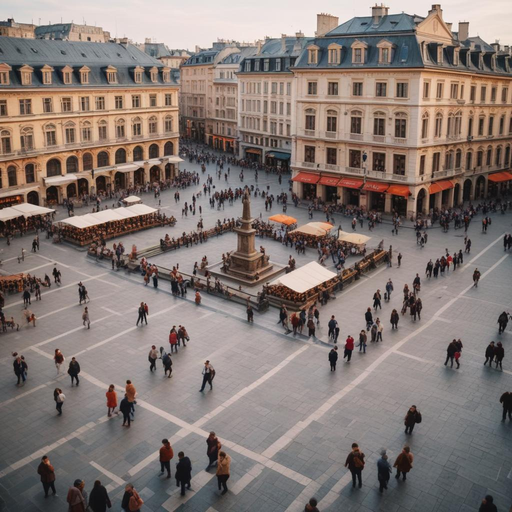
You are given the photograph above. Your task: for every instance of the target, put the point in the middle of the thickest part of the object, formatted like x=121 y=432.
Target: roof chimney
x=449 y=25
x=325 y=23
x=436 y=8
x=378 y=12
x=463 y=30
x=496 y=46
x=283 y=43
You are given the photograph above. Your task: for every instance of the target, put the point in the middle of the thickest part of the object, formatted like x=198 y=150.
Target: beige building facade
x=71 y=128
x=398 y=113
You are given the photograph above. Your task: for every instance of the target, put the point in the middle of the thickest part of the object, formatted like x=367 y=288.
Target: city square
x=286 y=421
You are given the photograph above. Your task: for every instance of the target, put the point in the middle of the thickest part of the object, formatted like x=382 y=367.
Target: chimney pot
x=378 y=12
x=463 y=30
x=325 y=23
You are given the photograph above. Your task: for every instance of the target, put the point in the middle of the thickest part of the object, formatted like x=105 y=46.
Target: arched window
x=120 y=129
x=27 y=138
x=87 y=162
x=356 y=122
x=424 y=125
x=457 y=128
x=70 y=133
x=6 y=143
x=103 y=159
x=154 y=151
x=168 y=148
x=332 y=121
x=53 y=168
x=153 y=125
x=379 y=123
x=72 y=164
x=138 y=154
x=102 y=130
x=168 y=123
x=137 y=127
x=458 y=159
x=401 y=125
x=11 y=176
x=121 y=156
x=86 y=131
x=310 y=119
x=439 y=125
x=30 y=173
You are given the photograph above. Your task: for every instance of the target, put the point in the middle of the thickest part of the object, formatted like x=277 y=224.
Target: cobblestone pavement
x=286 y=420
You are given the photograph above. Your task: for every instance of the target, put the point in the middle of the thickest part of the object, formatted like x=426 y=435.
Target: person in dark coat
x=403 y=463
x=489 y=354
x=488 y=505
x=74 y=370
x=214 y=446
x=355 y=463
x=506 y=401
x=183 y=472
x=502 y=322
x=98 y=499
x=412 y=417
x=377 y=300
x=499 y=354
x=369 y=318
x=20 y=369
x=126 y=408
x=383 y=471
x=450 y=352
x=333 y=357
x=395 y=317
x=47 y=474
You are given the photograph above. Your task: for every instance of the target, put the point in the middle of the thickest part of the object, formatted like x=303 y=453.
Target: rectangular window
x=357 y=89
x=483 y=93
x=454 y=91
x=470 y=127
x=25 y=107
x=86 y=134
x=47 y=105
x=332 y=124
x=66 y=105
x=3 y=108
x=120 y=132
x=100 y=102
x=4 y=78
x=265 y=106
x=288 y=109
x=402 y=90
x=274 y=88
x=84 y=104
x=436 y=159
x=481 y=122
x=426 y=90
x=354 y=158
x=119 y=102
x=440 y=90
x=266 y=64
x=424 y=128
x=379 y=162
x=310 y=121
x=502 y=125
x=168 y=100
x=332 y=88
x=136 y=101
x=381 y=89
x=273 y=107
x=494 y=92
x=70 y=135
x=51 y=139
x=288 y=89
x=422 y=165
x=358 y=55
x=102 y=132
x=504 y=94
x=136 y=129
x=401 y=128
x=379 y=126
x=309 y=154
x=472 y=93
x=356 y=124
x=332 y=156
x=312 y=88
x=491 y=125
x=281 y=88
x=152 y=100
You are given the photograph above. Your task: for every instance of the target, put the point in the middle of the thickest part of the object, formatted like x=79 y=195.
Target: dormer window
x=138 y=74
x=26 y=75
x=493 y=62
x=4 y=74
x=47 y=74
x=154 y=74
x=480 y=61
x=439 y=54
x=84 y=75
x=166 y=75
x=359 y=52
x=385 y=49
x=313 y=55
x=456 y=56
x=112 y=75
x=67 y=75
x=334 y=54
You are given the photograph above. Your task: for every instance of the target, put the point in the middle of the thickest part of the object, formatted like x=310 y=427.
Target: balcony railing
x=356 y=136
x=310 y=165
x=330 y=135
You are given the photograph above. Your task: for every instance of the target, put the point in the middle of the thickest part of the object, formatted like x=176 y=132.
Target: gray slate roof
x=97 y=56
x=390 y=23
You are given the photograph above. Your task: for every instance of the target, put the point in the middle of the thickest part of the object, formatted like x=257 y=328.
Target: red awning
x=306 y=177
x=373 y=186
x=439 y=186
x=350 y=183
x=500 y=176
x=329 y=181
x=399 y=190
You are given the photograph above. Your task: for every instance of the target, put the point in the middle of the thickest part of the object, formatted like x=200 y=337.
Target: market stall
x=283 y=219
x=131 y=200
x=22 y=217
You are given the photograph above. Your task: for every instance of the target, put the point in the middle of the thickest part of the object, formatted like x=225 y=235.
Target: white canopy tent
x=104 y=216
x=23 y=210
x=60 y=180
x=130 y=200
x=314 y=228
x=305 y=278
x=353 y=238
x=174 y=159
x=141 y=209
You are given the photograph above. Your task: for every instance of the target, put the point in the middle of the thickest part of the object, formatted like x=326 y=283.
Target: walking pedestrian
x=20 y=369
x=111 y=400
x=173 y=339
x=214 y=446
x=363 y=338
x=373 y=332
x=167 y=363
x=131 y=502
x=499 y=354
x=377 y=300
x=355 y=463
x=152 y=357
x=368 y=318
x=506 y=401
x=412 y=417
x=73 y=371
x=489 y=354
x=131 y=393
x=183 y=472
x=47 y=473
x=98 y=498
x=311 y=506
x=450 y=352
x=166 y=454
x=403 y=463
x=380 y=329
x=349 y=347
x=85 y=318
x=142 y=315
x=223 y=471
x=476 y=278
x=395 y=317
x=126 y=408
x=399 y=258
x=59 y=398
x=333 y=358
x=59 y=360
x=502 y=322
x=75 y=497
x=208 y=375
x=488 y=505
x=332 y=328
x=383 y=472
x=389 y=289
x=26 y=297
x=250 y=315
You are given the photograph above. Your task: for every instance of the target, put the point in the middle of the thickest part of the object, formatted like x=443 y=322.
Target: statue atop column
x=246 y=201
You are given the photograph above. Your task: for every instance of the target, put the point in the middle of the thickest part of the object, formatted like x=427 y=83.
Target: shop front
x=253 y=155
x=351 y=191
x=399 y=198
x=278 y=159
x=223 y=143
x=440 y=193
x=306 y=185
x=11 y=200
x=331 y=191
x=376 y=195
x=499 y=183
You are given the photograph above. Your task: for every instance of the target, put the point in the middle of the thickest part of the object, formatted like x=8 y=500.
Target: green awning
x=279 y=155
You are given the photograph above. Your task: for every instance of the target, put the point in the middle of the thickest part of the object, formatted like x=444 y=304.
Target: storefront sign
x=10 y=201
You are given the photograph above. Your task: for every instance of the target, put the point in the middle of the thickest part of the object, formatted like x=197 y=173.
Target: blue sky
x=185 y=23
